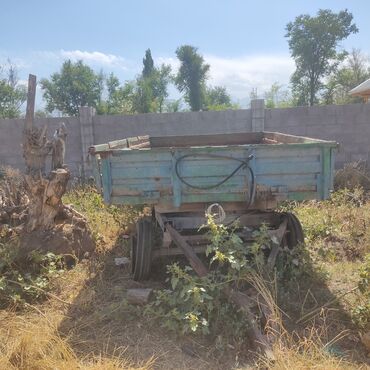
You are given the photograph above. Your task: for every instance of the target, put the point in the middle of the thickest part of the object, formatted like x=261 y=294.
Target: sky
x=243 y=41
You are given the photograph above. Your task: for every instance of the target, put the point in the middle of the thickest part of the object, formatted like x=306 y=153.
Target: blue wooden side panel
x=147 y=176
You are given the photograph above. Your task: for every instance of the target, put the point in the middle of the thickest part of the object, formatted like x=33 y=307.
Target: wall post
x=258 y=115
x=87 y=138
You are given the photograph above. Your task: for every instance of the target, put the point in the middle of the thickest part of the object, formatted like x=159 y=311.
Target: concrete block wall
x=347 y=124
x=11 y=130
x=108 y=128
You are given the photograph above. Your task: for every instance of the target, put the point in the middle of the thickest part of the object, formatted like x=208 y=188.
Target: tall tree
x=144 y=98
x=162 y=79
x=192 y=75
x=151 y=87
x=313 y=43
x=119 y=98
x=75 y=85
x=354 y=71
x=12 y=95
x=148 y=64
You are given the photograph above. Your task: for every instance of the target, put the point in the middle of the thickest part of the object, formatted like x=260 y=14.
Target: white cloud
x=240 y=74
x=94 y=58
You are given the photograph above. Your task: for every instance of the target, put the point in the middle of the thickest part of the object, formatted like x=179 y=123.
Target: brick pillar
x=87 y=138
x=258 y=115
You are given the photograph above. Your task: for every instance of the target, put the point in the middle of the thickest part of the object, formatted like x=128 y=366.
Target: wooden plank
x=206 y=140
x=300 y=157
x=176 y=185
x=326 y=173
x=288 y=168
x=107 y=179
x=287 y=151
x=141 y=171
x=293 y=139
x=194 y=260
x=133 y=182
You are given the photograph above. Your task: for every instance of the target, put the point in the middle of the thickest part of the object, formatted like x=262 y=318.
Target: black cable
x=243 y=164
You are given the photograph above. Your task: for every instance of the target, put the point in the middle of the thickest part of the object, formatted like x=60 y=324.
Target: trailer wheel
x=141 y=249
x=295 y=234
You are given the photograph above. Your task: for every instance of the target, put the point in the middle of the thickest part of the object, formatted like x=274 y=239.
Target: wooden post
x=30 y=110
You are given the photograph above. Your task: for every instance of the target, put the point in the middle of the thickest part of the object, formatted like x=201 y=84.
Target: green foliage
x=107 y=222
x=143 y=97
x=148 y=64
x=12 y=95
x=361 y=313
x=162 y=78
x=192 y=75
x=25 y=277
x=151 y=87
x=313 y=42
x=217 y=98
x=337 y=228
x=278 y=97
x=199 y=305
x=120 y=99
x=355 y=71
x=364 y=283
x=172 y=106
x=75 y=85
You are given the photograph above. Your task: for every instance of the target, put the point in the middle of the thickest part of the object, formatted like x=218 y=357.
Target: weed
x=107 y=222
x=195 y=304
x=361 y=313
x=25 y=277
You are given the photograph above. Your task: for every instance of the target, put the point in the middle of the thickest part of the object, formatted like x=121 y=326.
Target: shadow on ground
x=99 y=321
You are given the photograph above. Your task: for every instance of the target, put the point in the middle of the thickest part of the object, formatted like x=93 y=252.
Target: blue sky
x=243 y=41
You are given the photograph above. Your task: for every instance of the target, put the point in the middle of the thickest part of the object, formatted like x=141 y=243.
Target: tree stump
x=45 y=195
x=39 y=216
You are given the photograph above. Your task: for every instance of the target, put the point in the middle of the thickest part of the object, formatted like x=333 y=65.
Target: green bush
x=193 y=304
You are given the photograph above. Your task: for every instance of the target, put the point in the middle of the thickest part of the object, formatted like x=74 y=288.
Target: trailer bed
x=177 y=172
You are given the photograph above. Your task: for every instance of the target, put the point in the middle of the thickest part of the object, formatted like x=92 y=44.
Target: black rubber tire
x=295 y=234
x=141 y=249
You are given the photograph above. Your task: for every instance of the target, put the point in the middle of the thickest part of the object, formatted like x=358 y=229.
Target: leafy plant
x=195 y=304
x=361 y=313
x=25 y=277
x=107 y=222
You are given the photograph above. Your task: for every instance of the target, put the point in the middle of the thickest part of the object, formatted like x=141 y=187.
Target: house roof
x=362 y=89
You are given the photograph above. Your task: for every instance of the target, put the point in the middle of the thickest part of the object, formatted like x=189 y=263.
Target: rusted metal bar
x=194 y=260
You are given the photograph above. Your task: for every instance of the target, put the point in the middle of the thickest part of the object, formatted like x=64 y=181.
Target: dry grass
x=34 y=344
x=314 y=347
x=306 y=353
x=95 y=329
